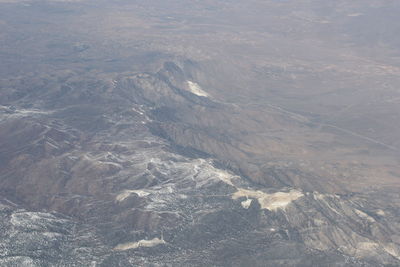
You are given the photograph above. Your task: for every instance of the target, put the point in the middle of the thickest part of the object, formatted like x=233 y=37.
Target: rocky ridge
x=140 y=181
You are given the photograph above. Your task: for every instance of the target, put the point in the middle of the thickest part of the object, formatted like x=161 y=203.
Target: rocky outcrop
x=149 y=172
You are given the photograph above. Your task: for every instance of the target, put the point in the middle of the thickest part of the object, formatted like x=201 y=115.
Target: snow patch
x=142 y=243
x=126 y=193
x=355 y=14
x=31 y=111
x=205 y=173
x=194 y=88
x=380 y=212
x=363 y=215
x=225 y=177
x=246 y=203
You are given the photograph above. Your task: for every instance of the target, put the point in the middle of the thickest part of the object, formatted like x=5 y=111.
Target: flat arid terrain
x=199 y=133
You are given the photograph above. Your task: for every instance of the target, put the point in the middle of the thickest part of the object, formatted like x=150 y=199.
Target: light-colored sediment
x=272 y=201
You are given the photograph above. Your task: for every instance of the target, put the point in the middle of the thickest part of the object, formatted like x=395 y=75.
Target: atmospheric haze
x=199 y=133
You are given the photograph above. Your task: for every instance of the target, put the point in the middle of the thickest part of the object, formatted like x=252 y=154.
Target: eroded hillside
x=259 y=133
